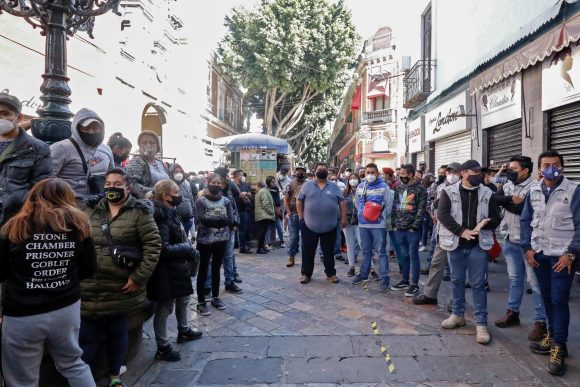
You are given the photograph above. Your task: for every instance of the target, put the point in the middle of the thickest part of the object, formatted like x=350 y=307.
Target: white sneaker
x=122 y=370
x=482 y=334
x=422 y=248
x=453 y=322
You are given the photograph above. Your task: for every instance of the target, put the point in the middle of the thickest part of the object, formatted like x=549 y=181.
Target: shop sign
x=561 y=78
x=446 y=118
x=501 y=102
x=414 y=135
x=30 y=103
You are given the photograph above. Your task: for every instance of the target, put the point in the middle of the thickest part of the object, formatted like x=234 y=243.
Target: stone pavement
x=279 y=332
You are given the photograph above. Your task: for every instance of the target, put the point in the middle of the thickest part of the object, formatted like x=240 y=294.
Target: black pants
x=215 y=252
x=262 y=228
x=310 y=242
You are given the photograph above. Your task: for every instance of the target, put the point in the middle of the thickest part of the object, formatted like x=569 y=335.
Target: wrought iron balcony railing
x=380 y=117
x=419 y=82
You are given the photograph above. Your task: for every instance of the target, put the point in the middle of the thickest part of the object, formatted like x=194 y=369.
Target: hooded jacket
x=186 y=209
x=67 y=164
x=377 y=192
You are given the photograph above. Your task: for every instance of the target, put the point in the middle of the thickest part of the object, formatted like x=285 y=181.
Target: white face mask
x=353 y=182
x=6 y=126
x=150 y=151
x=371 y=178
x=452 y=179
x=243 y=178
x=178 y=177
x=281 y=176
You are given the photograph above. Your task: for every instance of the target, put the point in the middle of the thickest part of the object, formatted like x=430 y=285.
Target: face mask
x=150 y=151
x=281 y=176
x=347 y=175
x=452 y=179
x=114 y=194
x=441 y=179
x=120 y=159
x=322 y=174
x=552 y=173
x=404 y=179
x=176 y=200
x=6 y=126
x=178 y=177
x=92 y=139
x=214 y=189
x=300 y=176
x=353 y=182
x=475 y=180
x=333 y=181
x=371 y=178
x=243 y=179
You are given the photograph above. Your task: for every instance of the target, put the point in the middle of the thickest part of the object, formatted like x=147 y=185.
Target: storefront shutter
x=564 y=137
x=505 y=141
x=420 y=157
x=453 y=149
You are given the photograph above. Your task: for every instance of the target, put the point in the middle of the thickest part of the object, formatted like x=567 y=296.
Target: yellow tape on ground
x=384 y=351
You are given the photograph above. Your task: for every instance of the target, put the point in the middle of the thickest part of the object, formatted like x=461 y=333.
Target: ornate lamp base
x=51 y=130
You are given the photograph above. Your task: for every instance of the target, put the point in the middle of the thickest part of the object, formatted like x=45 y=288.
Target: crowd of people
x=88 y=234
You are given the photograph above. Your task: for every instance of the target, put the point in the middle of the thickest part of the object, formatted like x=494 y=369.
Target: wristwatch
x=571 y=256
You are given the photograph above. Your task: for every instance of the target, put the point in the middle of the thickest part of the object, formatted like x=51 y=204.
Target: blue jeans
x=115 y=329
x=229 y=262
x=409 y=245
x=294 y=230
x=474 y=261
x=276 y=226
x=373 y=239
x=352 y=235
x=555 y=288
x=338 y=242
x=244 y=232
x=187 y=224
x=518 y=268
x=396 y=247
x=427 y=226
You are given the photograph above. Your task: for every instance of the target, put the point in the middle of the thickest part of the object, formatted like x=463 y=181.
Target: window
x=426 y=34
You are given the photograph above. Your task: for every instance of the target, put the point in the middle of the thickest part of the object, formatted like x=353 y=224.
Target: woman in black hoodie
x=171 y=283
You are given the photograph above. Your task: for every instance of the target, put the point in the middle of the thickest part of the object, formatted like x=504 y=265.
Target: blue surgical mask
x=552 y=172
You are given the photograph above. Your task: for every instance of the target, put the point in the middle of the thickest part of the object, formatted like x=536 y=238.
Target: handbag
x=96 y=184
x=371 y=210
x=125 y=256
x=192 y=263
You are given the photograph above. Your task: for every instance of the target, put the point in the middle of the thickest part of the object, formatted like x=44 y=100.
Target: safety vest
x=511 y=221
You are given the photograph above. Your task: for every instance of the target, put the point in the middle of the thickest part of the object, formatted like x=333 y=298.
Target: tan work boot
x=453 y=322
x=482 y=334
x=291 y=262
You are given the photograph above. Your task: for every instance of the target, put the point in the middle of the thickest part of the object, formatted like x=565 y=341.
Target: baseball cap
x=284 y=170
x=11 y=101
x=471 y=165
x=300 y=166
x=89 y=121
x=455 y=166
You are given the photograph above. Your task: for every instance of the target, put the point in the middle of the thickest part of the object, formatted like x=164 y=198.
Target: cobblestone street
x=279 y=332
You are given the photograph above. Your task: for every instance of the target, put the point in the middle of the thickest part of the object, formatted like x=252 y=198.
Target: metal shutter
x=565 y=138
x=453 y=149
x=505 y=141
x=420 y=157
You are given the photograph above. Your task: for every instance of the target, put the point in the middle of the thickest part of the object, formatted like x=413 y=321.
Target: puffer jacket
x=171 y=276
x=27 y=164
x=264 y=208
x=140 y=173
x=67 y=164
x=101 y=295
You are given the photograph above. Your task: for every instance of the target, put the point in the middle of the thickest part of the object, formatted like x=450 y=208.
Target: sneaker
x=374 y=276
x=262 y=251
x=339 y=257
x=422 y=248
x=384 y=287
x=237 y=279
x=203 y=309
x=282 y=245
x=188 y=335
x=116 y=382
x=304 y=279
x=424 y=271
x=402 y=285
x=217 y=303
x=350 y=272
x=122 y=370
x=557 y=364
x=482 y=335
x=333 y=279
x=542 y=347
x=538 y=332
x=424 y=300
x=233 y=288
x=453 y=322
x=167 y=354
x=357 y=279
x=412 y=291
x=510 y=319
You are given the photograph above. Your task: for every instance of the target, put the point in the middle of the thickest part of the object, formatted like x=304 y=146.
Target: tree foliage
x=293 y=55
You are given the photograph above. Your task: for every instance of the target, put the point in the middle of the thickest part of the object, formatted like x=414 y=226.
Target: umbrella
x=253 y=141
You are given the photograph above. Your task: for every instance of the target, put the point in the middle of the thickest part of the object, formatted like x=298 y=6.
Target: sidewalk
x=279 y=332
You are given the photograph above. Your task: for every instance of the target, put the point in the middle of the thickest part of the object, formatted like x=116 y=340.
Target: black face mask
x=120 y=159
x=114 y=194
x=92 y=139
x=441 y=179
x=300 y=176
x=322 y=174
x=512 y=175
x=475 y=180
x=404 y=180
x=214 y=189
x=176 y=200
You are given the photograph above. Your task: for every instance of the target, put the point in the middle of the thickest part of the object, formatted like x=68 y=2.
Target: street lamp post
x=56 y=19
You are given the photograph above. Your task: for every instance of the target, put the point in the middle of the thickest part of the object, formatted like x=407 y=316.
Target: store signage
x=29 y=104
x=446 y=119
x=414 y=135
x=561 y=78
x=501 y=102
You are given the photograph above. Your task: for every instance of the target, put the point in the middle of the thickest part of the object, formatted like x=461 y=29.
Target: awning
x=254 y=141
x=536 y=51
x=378 y=84
x=356 y=99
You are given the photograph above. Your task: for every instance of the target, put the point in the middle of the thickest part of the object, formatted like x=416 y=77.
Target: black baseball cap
x=471 y=165
x=11 y=101
x=454 y=166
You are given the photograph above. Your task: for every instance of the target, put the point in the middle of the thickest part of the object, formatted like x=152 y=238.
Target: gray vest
x=449 y=241
x=552 y=224
x=511 y=221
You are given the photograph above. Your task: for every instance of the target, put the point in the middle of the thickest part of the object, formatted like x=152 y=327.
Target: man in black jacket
x=24 y=160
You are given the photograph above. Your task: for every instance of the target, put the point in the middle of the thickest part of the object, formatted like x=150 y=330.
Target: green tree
x=293 y=54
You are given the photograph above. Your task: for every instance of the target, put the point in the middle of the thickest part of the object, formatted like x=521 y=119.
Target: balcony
x=386 y=116
x=419 y=83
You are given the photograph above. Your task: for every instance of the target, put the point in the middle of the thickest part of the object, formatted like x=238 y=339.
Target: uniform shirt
x=321 y=206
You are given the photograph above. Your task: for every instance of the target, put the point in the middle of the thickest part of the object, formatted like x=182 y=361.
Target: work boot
x=482 y=334
x=188 y=335
x=291 y=262
x=424 y=300
x=304 y=279
x=557 y=365
x=511 y=319
x=538 y=332
x=453 y=322
x=542 y=347
x=167 y=354
x=332 y=279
